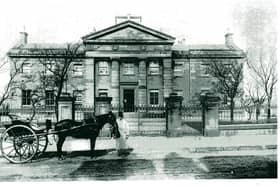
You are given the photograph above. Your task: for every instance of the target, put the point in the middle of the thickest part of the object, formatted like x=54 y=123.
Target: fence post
x=102 y=105
x=210 y=114
x=174 y=116
x=66 y=108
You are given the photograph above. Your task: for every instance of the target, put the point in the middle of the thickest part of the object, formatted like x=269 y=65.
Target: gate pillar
x=210 y=114
x=66 y=107
x=102 y=105
x=174 y=116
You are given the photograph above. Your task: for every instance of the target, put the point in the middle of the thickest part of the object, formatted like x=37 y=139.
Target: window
x=78 y=69
x=225 y=99
x=50 y=67
x=128 y=69
x=26 y=97
x=49 y=97
x=103 y=93
x=179 y=92
x=103 y=68
x=153 y=68
x=79 y=95
x=26 y=68
x=154 y=97
x=204 y=70
x=178 y=68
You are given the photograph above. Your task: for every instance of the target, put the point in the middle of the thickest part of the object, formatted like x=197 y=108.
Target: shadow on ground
x=73 y=154
x=119 y=169
x=240 y=167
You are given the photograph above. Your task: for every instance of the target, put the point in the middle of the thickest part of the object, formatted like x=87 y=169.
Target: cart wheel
x=19 y=144
x=43 y=144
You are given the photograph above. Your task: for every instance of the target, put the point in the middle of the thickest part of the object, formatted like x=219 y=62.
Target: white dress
x=124 y=132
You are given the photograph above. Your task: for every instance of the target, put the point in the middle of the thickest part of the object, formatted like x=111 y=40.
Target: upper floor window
x=50 y=67
x=204 y=70
x=153 y=68
x=128 y=68
x=26 y=97
x=26 y=68
x=154 y=97
x=178 y=68
x=78 y=69
x=49 y=97
x=103 y=68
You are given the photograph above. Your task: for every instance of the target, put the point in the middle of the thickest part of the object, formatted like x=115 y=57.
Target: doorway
x=128 y=100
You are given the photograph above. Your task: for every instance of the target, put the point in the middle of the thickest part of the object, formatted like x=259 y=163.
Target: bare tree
x=229 y=75
x=264 y=72
x=57 y=63
x=253 y=98
x=258 y=25
x=15 y=67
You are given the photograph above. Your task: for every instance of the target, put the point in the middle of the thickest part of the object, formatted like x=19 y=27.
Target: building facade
x=133 y=64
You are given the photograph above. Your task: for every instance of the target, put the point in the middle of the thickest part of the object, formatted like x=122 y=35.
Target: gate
x=144 y=120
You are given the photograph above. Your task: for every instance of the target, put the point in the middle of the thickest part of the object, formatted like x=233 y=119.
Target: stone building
x=132 y=63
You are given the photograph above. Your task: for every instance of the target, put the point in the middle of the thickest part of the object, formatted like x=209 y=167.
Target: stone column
x=89 y=82
x=142 y=84
x=167 y=77
x=210 y=114
x=212 y=122
x=174 y=116
x=66 y=108
x=115 y=82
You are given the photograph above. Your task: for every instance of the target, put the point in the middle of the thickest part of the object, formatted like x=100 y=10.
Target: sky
x=56 y=21
x=67 y=20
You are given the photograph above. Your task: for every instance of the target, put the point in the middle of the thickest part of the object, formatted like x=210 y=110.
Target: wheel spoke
x=32 y=148
x=25 y=149
x=10 y=152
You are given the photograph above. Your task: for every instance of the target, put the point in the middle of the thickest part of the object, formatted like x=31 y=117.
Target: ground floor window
x=49 y=97
x=154 y=97
x=103 y=92
x=26 y=97
x=78 y=95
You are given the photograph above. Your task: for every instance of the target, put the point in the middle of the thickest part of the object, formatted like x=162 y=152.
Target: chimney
x=229 y=40
x=23 y=38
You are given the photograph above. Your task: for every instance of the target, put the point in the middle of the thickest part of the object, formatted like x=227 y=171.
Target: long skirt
x=121 y=143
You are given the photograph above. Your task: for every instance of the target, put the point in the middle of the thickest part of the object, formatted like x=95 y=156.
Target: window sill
x=205 y=76
x=26 y=106
x=78 y=76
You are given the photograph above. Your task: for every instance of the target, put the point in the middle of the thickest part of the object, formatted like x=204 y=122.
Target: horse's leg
x=92 y=145
x=59 y=145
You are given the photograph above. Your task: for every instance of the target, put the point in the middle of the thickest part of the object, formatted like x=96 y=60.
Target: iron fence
x=142 y=113
x=191 y=113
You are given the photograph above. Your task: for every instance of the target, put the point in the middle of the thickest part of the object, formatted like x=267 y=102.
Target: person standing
x=121 y=142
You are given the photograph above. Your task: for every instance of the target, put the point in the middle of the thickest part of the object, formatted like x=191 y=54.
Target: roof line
x=125 y=23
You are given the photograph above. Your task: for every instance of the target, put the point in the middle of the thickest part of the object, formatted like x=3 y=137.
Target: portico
x=128 y=61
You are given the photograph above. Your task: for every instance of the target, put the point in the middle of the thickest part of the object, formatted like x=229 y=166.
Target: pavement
x=189 y=146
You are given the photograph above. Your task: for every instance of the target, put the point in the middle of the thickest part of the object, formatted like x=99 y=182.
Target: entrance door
x=128 y=100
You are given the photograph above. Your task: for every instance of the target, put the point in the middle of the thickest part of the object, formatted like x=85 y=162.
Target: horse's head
x=114 y=130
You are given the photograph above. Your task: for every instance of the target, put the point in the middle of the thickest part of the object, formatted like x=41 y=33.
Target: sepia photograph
x=108 y=91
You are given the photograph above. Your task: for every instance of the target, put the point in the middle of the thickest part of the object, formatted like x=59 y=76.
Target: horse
x=88 y=129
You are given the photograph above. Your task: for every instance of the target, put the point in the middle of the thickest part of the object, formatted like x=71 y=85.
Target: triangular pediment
x=128 y=31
